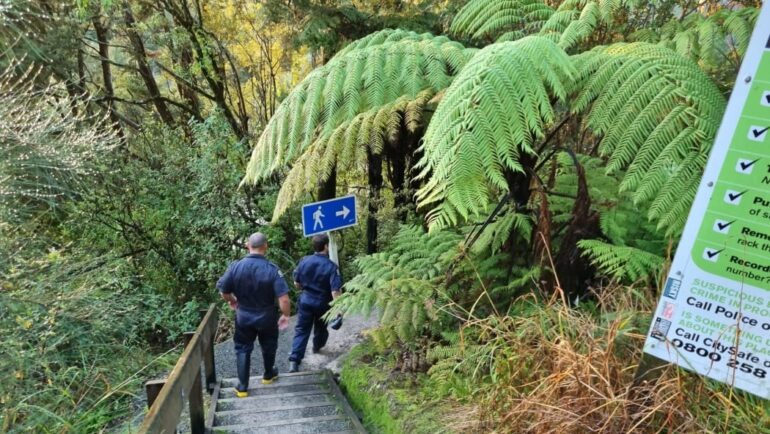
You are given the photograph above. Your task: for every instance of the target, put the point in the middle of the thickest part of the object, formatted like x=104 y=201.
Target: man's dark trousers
x=261 y=325
x=309 y=313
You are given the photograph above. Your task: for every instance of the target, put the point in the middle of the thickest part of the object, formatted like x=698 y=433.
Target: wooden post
x=195 y=398
x=187 y=338
x=184 y=382
x=197 y=417
x=152 y=389
x=209 y=367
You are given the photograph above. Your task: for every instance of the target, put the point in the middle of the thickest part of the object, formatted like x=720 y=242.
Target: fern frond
x=621 y=262
x=495 y=110
x=657 y=114
x=369 y=75
x=497 y=233
x=489 y=20
x=344 y=148
x=401 y=282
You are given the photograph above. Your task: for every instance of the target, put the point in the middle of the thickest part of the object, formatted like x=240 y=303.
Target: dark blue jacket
x=255 y=282
x=319 y=277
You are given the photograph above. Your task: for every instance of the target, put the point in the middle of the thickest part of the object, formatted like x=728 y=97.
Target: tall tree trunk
x=104 y=57
x=144 y=69
x=212 y=71
x=186 y=92
x=374 y=166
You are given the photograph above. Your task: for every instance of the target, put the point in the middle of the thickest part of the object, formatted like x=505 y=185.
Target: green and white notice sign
x=714 y=314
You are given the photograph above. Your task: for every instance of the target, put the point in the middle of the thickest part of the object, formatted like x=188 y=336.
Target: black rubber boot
x=243 y=361
x=293 y=366
x=270 y=376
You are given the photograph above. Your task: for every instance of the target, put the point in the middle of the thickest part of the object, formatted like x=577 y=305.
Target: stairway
x=299 y=403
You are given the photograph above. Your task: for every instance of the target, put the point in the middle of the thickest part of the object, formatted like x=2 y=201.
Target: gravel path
x=340 y=341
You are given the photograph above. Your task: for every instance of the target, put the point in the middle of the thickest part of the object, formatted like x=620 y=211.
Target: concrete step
x=262 y=417
x=308 y=425
x=282 y=380
x=269 y=401
x=276 y=389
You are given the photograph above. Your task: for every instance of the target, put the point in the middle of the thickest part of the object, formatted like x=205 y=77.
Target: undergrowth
x=545 y=368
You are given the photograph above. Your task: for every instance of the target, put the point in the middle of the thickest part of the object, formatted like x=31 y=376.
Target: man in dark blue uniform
x=251 y=286
x=320 y=281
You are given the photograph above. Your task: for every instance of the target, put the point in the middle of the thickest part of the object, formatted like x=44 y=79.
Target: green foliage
x=181 y=217
x=47 y=152
x=576 y=20
x=402 y=283
x=657 y=115
x=494 y=113
x=499 y=231
x=621 y=262
x=506 y=20
x=358 y=81
x=345 y=148
x=709 y=40
x=75 y=333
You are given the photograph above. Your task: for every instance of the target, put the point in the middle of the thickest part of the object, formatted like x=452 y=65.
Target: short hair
x=257 y=240
x=320 y=241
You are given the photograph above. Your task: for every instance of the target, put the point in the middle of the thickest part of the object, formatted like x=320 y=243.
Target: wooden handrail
x=184 y=382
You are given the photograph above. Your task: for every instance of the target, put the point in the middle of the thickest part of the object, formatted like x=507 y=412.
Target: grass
x=558 y=369
x=546 y=368
x=391 y=402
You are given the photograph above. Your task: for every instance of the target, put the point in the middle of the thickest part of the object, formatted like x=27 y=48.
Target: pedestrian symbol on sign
x=317 y=223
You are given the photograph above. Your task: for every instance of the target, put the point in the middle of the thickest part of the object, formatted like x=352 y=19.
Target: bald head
x=257 y=242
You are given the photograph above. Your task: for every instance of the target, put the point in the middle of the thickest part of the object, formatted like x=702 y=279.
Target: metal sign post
x=714 y=314
x=333 y=254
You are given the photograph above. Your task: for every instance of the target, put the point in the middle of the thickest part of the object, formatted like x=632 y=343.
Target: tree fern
x=345 y=148
x=625 y=228
x=402 y=283
x=498 y=107
x=489 y=20
x=657 y=114
x=708 y=40
x=366 y=76
x=575 y=20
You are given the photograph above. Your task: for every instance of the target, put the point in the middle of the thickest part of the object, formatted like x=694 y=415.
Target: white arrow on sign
x=344 y=213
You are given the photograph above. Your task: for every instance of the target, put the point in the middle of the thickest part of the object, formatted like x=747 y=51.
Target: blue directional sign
x=329 y=215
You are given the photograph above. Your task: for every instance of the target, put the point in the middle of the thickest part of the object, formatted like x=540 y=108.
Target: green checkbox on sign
x=722 y=226
x=757 y=133
x=711 y=255
x=765 y=100
x=744 y=166
x=733 y=197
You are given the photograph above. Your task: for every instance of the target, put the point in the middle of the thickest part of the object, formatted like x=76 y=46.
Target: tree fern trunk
x=374 y=162
x=328 y=189
x=520 y=195
x=574 y=270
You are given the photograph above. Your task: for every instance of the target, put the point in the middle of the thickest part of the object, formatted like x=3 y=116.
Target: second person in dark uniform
x=320 y=281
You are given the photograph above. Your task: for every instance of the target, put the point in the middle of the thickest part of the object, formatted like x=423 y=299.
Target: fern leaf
x=648 y=104
x=495 y=110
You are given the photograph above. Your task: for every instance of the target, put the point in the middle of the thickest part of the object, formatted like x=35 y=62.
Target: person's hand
x=283 y=322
